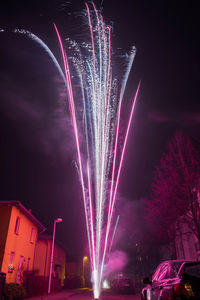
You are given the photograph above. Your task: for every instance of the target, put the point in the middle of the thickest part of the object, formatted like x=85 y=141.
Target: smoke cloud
x=117 y=262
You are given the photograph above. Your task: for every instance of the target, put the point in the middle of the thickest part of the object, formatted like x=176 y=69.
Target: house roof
x=26 y=212
x=47 y=237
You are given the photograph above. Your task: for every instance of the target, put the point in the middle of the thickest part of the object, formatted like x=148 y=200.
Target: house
x=43 y=259
x=18 y=236
x=186 y=243
x=77 y=273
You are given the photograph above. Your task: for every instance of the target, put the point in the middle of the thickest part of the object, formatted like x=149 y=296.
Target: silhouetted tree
x=176 y=189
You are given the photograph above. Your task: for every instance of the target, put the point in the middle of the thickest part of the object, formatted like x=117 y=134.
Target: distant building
x=186 y=243
x=43 y=257
x=73 y=269
x=18 y=236
x=77 y=273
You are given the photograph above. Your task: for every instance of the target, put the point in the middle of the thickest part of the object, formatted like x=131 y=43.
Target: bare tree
x=176 y=189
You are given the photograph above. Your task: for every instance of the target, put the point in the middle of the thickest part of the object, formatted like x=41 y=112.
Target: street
x=108 y=296
x=85 y=294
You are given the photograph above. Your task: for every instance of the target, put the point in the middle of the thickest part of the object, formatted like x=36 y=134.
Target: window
x=28 y=264
x=172 y=273
x=160 y=273
x=19 y=272
x=57 y=271
x=17 y=225
x=31 y=239
x=12 y=254
x=174 y=268
x=11 y=266
x=192 y=269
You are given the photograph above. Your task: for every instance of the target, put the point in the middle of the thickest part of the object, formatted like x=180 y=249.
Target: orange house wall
x=43 y=257
x=60 y=259
x=19 y=243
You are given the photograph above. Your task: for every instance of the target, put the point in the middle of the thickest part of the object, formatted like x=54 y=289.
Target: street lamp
x=58 y=220
x=85 y=258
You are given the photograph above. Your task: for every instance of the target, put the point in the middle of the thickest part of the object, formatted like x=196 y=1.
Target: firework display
x=101 y=107
x=95 y=113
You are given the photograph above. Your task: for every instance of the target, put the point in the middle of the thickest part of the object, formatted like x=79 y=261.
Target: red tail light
x=183 y=289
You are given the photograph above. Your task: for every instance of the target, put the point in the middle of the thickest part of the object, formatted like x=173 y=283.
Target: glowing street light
x=85 y=258
x=58 y=220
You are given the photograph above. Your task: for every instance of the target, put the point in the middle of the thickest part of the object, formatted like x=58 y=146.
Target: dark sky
x=37 y=153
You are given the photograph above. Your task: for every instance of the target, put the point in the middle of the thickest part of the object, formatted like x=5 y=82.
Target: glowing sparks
x=102 y=111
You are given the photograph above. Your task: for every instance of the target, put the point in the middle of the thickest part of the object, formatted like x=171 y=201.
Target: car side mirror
x=146 y=280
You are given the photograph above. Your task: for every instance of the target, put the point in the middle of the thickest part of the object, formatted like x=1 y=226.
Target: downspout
x=45 y=266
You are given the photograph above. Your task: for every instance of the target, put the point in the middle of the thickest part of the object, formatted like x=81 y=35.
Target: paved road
x=84 y=294
x=89 y=296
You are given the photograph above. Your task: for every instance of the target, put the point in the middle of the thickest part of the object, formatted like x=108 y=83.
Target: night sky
x=37 y=150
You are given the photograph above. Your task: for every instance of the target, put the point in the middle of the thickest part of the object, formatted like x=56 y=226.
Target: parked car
x=122 y=284
x=174 y=280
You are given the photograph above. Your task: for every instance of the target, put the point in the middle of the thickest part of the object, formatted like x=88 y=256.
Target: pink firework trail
x=101 y=107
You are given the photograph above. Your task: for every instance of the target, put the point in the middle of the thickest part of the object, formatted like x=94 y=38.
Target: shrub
x=14 y=291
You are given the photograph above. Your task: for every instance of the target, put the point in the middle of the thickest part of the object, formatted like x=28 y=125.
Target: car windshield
x=192 y=270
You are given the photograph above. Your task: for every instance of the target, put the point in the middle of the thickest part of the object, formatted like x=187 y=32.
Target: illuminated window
x=31 y=239
x=11 y=266
x=17 y=225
